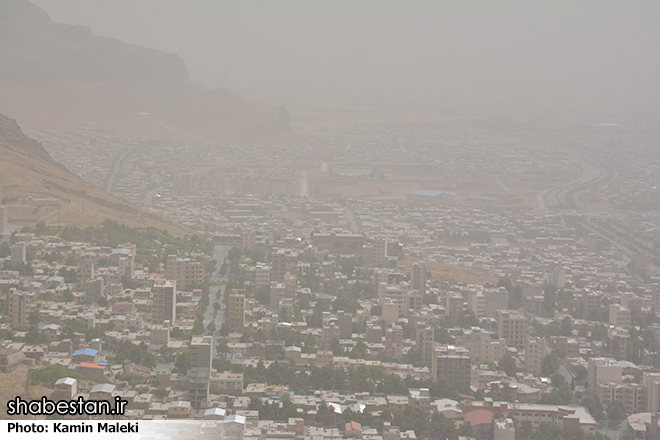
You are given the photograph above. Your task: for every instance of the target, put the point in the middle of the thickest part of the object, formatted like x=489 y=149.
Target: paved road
x=219 y=254
x=115 y=170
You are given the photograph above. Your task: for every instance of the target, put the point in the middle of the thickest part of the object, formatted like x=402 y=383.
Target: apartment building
x=283 y=261
x=163 y=306
x=394 y=342
x=452 y=364
x=620 y=316
x=83 y=273
x=454 y=306
x=512 y=326
x=424 y=340
x=481 y=345
x=535 y=349
x=18 y=304
x=186 y=272
x=633 y=395
x=236 y=310
x=418 y=278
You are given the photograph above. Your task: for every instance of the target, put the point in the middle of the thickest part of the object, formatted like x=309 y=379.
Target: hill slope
x=57 y=76
x=37 y=188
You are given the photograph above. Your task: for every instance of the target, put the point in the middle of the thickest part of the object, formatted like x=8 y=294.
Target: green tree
x=5 y=250
x=616 y=410
x=182 y=362
x=508 y=365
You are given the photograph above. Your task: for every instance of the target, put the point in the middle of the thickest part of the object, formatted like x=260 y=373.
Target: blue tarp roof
x=432 y=192
x=85 y=351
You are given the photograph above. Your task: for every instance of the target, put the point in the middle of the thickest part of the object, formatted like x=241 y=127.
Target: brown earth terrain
x=37 y=188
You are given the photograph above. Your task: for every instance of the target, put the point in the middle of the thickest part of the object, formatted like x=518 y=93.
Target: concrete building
x=424 y=340
x=277 y=294
x=633 y=395
x=454 y=306
x=283 y=261
x=504 y=429
x=65 y=389
x=535 y=349
x=394 y=342
x=512 y=327
x=236 y=310
x=94 y=290
x=603 y=370
x=451 y=364
x=201 y=355
x=261 y=276
x=163 y=306
x=248 y=240
x=620 y=316
x=18 y=307
x=477 y=303
x=497 y=298
x=186 y=272
x=651 y=382
x=345 y=320
x=84 y=272
x=380 y=251
x=18 y=254
x=481 y=346
x=418 y=278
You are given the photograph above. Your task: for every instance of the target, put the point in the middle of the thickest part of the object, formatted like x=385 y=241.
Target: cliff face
x=37 y=188
x=63 y=76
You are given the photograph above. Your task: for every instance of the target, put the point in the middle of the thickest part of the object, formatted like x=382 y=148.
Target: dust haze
x=446 y=56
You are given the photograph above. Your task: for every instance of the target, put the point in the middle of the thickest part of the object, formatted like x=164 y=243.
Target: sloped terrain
x=37 y=188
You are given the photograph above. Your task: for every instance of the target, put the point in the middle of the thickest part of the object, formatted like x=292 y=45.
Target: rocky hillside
x=57 y=76
x=37 y=188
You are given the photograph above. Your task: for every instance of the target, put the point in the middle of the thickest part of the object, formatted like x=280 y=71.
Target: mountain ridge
x=59 y=76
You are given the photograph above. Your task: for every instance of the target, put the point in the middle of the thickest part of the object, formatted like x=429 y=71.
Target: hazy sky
x=420 y=55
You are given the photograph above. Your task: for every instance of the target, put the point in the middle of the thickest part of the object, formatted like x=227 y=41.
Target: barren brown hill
x=57 y=76
x=37 y=188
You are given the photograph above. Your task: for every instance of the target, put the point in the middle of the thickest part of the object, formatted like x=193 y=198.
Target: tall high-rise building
x=620 y=316
x=186 y=272
x=201 y=352
x=424 y=339
x=380 y=252
x=94 y=290
x=248 y=240
x=454 y=306
x=19 y=309
x=84 y=272
x=534 y=355
x=283 y=261
x=512 y=326
x=199 y=376
x=418 y=278
x=394 y=342
x=163 y=302
x=452 y=364
x=236 y=310
x=345 y=320
x=482 y=347
x=18 y=253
